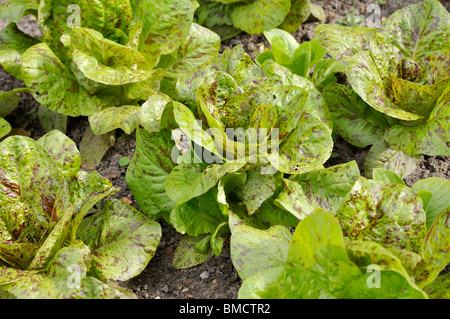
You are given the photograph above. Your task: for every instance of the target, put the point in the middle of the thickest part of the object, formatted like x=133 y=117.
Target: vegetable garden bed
x=184 y=261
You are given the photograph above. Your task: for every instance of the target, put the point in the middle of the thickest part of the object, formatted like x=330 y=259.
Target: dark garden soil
x=216 y=278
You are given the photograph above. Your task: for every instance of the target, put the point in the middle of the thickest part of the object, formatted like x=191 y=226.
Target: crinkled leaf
x=390 y=214
x=382 y=155
x=165 y=24
x=343 y=42
x=326 y=188
x=419 y=28
x=152 y=111
x=200 y=46
x=13 y=43
x=106 y=61
x=148 y=170
x=431 y=138
x=365 y=79
x=439 y=201
x=53 y=85
x=33 y=192
x=260 y=15
x=25 y=284
x=123 y=240
x=439 y=288
x=254 y=250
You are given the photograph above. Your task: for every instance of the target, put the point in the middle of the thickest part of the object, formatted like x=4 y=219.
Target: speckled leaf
x=306 y=148
x=213 y=93
x=148 y=170
x=63 y=150
x=326 y=188
x=166 y=24
x=353 y=119
x=431 y=138
x=364 y=77
x=390 y=214
x=435 y=249
x=5 y=127
x=198 y=216
x=125 y=117
x=123 y=242
x=343 y=42
x=53 y=242
x=382 y=155
x=415 y=97
x=254 y=250
x=260 y=15
x=25 y=284
x=298 y=13
x=15 y=10
x=419 y=28
x=439 y=189
x=33 y=196
x=257 y=188
x=53 y=85
x=93 y=147
x=13 y=43
x=69 y=267
x=9 y=100
x=439 y=288
x=188 y=181
x=293 y=199
x=152 y=110
x=106 y=61
x=185 y=256
x=200 y=46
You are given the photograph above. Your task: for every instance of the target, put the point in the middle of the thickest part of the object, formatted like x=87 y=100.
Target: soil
x=216 y=278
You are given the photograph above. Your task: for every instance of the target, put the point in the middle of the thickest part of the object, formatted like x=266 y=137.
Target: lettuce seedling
x=230 y=17
x=102 y=59
x=306 y=59
x=226 y=141
x=399 y=77
x=53 y=243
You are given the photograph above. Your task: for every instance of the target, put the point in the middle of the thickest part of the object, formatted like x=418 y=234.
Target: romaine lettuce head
x=254 y=112
x=401 y=71
x=44 y=198
x=102 y=59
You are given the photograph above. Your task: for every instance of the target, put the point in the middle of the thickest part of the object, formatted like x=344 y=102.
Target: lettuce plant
x=306 y=59
x=230 y=17
x=53 y=242
x=399 y=77
x=102 y=59
x=349 y=226
x=232 y=133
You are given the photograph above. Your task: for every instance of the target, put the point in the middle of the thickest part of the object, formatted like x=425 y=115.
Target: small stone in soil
x=204 y=275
